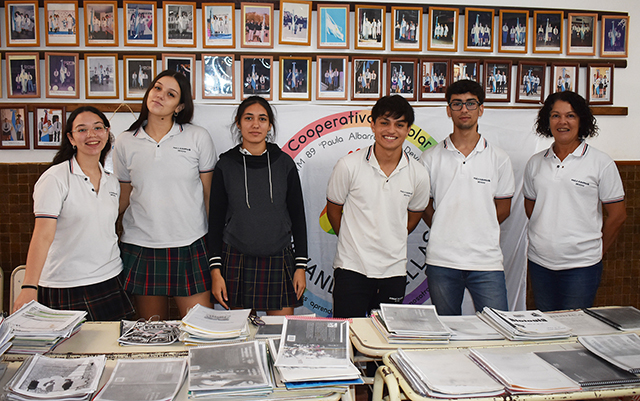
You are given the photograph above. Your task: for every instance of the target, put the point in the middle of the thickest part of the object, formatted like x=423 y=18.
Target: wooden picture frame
x=184 y=63
x=478 y=28
x=581 y=36
x=15 y=126
x=615 y=36
x=600 y=83
x=23 y=75
x=100 y=23
x=435 y=77
x=370 y=27
x=465 y=69
x=295 y=78
x=547 y=31
x=101 y=75
x=402 y=76
x=26 y=15
x=443 y=29
x=333 y=26
x=531 y=83
x=564 y=77
x=179 y=23
x=406 y=29
x=139 y=23
x=139 y=72
x=333 y=77
x=48 y=126
x=61 y=22
x=513 y=31
x=295 y=22
x=257 y=25
x=367 y=79
x=257 y=76
x=62 y=75
x=218 y=76
x=497 y=89
x=219 y=22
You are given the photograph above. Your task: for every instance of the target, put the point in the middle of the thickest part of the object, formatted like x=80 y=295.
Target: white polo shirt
x=465 y=233
x=85 y=249
x=167 y=202
x=373 y=229
x=565 y=228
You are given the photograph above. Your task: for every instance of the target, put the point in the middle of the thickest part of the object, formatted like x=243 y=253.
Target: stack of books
x=204 y=325
x=620 y=317
x=530 y=325
x=410 y=324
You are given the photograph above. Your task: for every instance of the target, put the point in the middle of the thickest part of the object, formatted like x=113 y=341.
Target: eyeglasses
x=97 y=129
x=456 y=105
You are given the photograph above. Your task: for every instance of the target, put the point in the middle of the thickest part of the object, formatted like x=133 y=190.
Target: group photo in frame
x=257 y=25
x=48 y=125
x=179 y=23
x=514 y=28
x=402 y=77
x=183 y=63
x=101 y=23
x=218 y=76
x=22 y=23
x=497 y=81
x=139 y=23
x=333 y=77
x=406 y=29
x=547 y=31
x=62 y=75
x=370 y=27
x=531 y=82
x=15 y=127
x=582 y=33
x=295 y=22
x=443 y=29
x=295 y=82
x=61 y=22
x=219 y=22
x=101 y=76
x=600 y=84
x=615 y=36
x=478 y=28
x=333 y=26
x=139 y=71
x=367 y=78
x=434 y=79
x=23 y=75
x=564 y=77
x=465 y=69
x=257 y=76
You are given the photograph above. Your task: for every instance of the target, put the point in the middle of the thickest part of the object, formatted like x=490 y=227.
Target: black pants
x=355 y=295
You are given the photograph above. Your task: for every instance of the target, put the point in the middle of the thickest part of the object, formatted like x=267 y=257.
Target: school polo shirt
x=565 y=228
x=166 y=207
x=85 y=249
x=465 y=233
x=373 y=229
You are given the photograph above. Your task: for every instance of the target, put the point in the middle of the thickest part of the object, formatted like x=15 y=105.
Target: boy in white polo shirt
x=471 y=189
x=383 y=194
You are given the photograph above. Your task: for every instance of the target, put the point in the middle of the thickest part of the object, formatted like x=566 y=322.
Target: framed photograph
x=434 y=79
x=257 y=21
x=219 y=21
x=23 y=75
x=402 y=75
x=465 y=69
x=564 y=77
x=179 y=24
x=333 y=26
x=61 y=18
x=295 y=82
x=48 y=124
x=582 y=34
x=139 y=23
x=22 y=23
x=600 y=84
x=548 y=31
x=295 y=22
x=101 y=76
x=101 y=23
x=333 y=77
x=478 y=27
x=218 y=73
x=184 y=63
x=615 y=36
x=407 y=28
x=497 y=81
x=366 y=79
x=443 y=29
x=257 y=76
x=370 y=27
x=514 y=25
x=62 y=75
x=139 y=71
x=531 y=83
x=15 y=128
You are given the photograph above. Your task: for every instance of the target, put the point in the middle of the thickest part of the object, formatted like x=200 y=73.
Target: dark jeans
x=355 y=295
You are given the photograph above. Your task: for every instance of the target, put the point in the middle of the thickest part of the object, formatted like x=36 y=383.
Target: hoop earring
x=175 y=114
x=75 y=147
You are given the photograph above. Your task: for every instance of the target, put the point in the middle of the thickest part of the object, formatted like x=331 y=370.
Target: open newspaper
x=143 y=332
x=622 y=350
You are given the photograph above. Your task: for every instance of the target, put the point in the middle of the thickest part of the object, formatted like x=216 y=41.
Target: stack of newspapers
x=5 y=336
x=38 y=329
x=204 y=325
x=410 y=324
x=524 y=325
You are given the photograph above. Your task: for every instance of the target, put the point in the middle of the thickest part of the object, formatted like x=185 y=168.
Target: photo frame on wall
x=61 y=22
x=333 y=26
x=295 y=22
x=564 y=77
x=402 y=76
x=23 y=75
x=295 y=82
x=370 y=28
x=582 y=33
x=257 y=76
x=21 y=20
x=497 y=81
x=15 y=127
x=434 y=79
x=101 y=75
x=531 y=82
x=179 y=23
x=257 y=25
x=406 y=29
x=139 y=71
x=139 y=23
x=443 y=29
x=514 y=28
x=548 y=31
x=615 y=36
x=367 y=78
x=48 y=125
x=478 y=27
x=100 y=23
x=219 y=22
x=62 y=75
x=600 y=84
x=333 y=77
x=465 y=69
x=184 y=63
x=218 y=76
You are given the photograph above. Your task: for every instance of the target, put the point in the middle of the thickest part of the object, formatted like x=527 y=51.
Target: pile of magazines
x=524 y=325
x=204 y=325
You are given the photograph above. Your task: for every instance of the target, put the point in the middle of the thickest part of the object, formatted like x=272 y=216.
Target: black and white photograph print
x=600 y=84
x=256 y=76
x=48 y=124
x=23 y=75
x=332 y=77
x=547 y=31
x=179 y=24
x=257 y=25
x=370 y=27
x=62 y=75
x=465 y=69
x=101 y=72
x=367 y=78
x=295 y=83
x=139 y=71
x=582 y=33
x=514 y=26
x=443 y=29
x=295 y=22
x=615 y=36
x=61 y=21
x=401 y=78
x=407 y=28
x=478 y=29
x=531 y=82
x=217 y=76
x=22 y=23
x=101 y=23
x=183 y=63
x=497 y=81
x=219 y=25
x=564 y=77
x=140 y=23
x=434 y=79
x=15 y=129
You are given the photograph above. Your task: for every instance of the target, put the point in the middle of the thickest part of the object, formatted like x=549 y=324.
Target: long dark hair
x=67 y=150
x=185 y=115
x=251 y=100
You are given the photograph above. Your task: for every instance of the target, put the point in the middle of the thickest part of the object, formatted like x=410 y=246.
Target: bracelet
x=33 y=287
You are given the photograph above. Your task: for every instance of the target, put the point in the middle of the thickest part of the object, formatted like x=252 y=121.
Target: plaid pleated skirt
x=104 y=301
x=174 y=272
x=259 y=282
